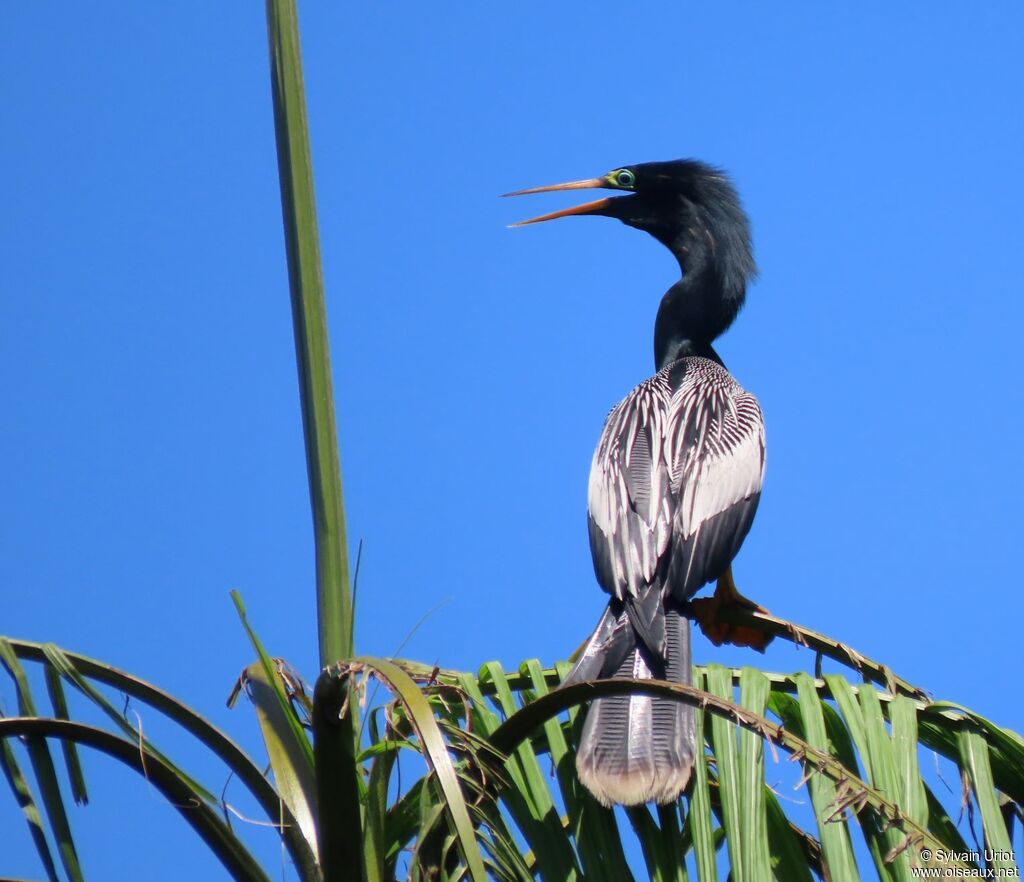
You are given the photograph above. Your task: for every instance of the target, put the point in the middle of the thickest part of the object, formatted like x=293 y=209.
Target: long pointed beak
x=588 y=184
x=587 y=208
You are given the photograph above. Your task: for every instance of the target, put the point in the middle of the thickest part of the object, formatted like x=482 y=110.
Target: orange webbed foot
x=726 y=595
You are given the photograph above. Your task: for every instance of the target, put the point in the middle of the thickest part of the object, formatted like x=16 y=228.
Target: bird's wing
x=630 y=499
x=717 y=453
x=675 y=481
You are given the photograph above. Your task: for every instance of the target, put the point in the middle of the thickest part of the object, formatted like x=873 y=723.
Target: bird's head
x=690 y=207
x=693 y=210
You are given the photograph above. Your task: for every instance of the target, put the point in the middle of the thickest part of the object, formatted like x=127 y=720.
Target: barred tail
x=637 y=748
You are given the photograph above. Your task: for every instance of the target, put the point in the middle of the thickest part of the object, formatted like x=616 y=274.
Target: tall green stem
x=309 y=316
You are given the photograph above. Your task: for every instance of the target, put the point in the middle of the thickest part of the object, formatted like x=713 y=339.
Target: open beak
x=595 y=207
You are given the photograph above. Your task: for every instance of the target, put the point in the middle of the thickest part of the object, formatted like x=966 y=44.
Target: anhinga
x=674 y=482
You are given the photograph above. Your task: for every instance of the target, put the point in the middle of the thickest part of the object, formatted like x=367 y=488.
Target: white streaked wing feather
x=728 y=469
x=635 y=527
x=702 y=452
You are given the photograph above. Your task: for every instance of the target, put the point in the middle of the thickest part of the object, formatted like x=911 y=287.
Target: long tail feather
x=636 y=748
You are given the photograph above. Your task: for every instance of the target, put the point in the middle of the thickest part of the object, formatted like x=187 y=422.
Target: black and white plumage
x=674 y=485
x=674 y=482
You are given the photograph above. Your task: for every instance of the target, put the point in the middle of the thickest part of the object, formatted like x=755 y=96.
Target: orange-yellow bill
x=586 y=208
x=588 y=184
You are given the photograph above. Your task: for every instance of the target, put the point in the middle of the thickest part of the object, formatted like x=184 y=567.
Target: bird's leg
x=727 y=595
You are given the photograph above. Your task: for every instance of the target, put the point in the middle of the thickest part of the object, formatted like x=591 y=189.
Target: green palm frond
x=859 y=747
x=497 y=794
x=91 y=678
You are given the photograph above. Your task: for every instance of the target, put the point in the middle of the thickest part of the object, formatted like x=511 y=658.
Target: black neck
x=694 y=211
x=697 y=308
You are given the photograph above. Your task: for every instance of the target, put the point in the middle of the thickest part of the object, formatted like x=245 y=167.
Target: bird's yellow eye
x=624 y=178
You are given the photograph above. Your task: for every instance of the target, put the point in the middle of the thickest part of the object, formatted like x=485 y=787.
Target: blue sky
x=150 y=432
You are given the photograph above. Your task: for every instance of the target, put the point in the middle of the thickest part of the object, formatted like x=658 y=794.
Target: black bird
x=674 y=482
